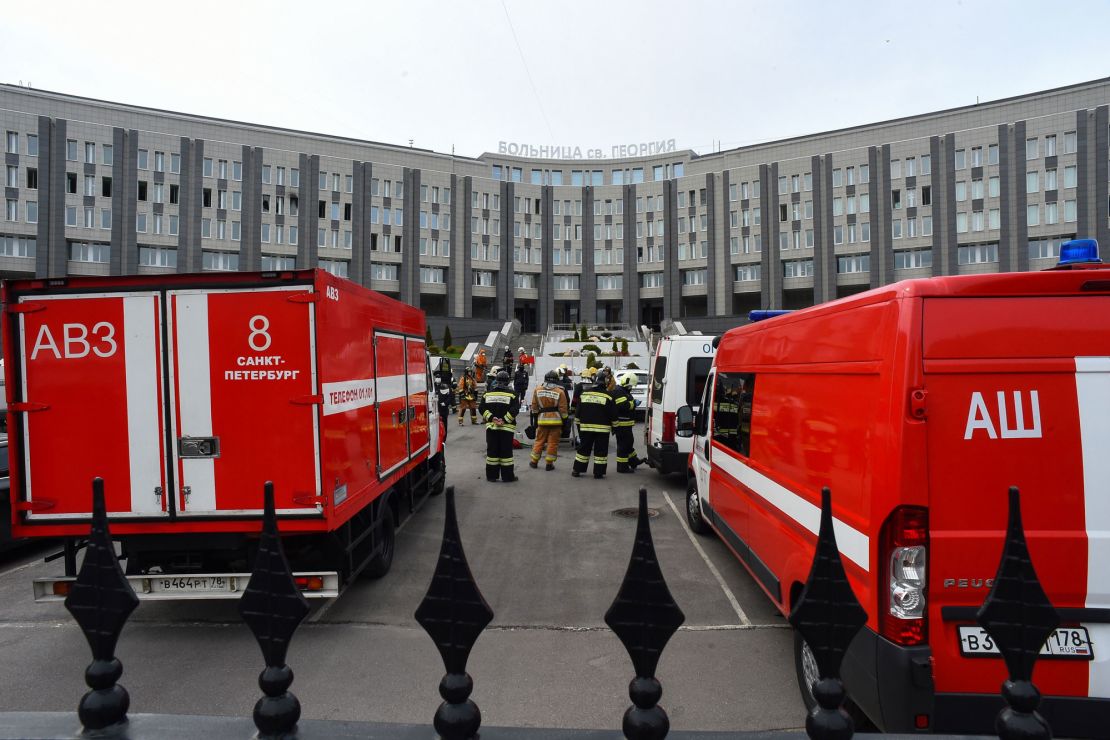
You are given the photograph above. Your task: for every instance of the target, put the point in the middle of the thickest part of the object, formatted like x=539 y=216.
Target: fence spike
x=454 y=613
x=1020 y=618
x=273 y=607
x=828 y=615
x=100 y=601
x=644 y=616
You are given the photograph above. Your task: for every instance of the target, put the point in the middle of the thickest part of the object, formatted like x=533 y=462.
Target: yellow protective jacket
x=549 y=403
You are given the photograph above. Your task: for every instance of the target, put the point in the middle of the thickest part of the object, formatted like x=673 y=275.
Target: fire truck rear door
x=91 y=381
x=417 y=395
x=391 y=377
x=245 y=408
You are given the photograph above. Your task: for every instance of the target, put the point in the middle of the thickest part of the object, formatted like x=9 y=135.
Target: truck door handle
x=198 y=447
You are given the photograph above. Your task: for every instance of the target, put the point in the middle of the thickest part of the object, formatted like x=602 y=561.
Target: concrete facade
x=94 y=187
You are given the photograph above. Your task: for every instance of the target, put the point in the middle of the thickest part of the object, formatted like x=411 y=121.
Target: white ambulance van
x=679 y=369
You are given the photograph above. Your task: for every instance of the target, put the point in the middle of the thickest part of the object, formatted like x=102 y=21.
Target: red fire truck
x=186 y=393
x=919 y=404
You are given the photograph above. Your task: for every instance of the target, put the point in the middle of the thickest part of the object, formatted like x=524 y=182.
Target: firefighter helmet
x=628 y=379
x=604 y=377
x=501 y=379
x=551 y=377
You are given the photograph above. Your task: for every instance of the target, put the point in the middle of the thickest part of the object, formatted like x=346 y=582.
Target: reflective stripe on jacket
x=626 y=407
x=550 y=403
x=499 y=404
x=596 y=410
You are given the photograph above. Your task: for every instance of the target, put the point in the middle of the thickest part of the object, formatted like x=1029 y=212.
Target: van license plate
x=190 y=584
x=1065 y=642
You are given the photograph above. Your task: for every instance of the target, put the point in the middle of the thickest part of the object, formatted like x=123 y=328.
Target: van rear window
x=732 y=411
x=658 y=376
x=697 y=371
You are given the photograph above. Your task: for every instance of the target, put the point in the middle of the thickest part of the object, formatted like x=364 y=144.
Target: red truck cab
x=919 y=404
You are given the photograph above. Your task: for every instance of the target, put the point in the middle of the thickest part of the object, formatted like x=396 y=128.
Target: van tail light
x=668 y=426
x=903 y=552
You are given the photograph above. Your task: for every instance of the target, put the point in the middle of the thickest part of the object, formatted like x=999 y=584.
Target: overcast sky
x=466 y=75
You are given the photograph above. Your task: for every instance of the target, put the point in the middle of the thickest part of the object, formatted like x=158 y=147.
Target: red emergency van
x=919 y=404
x=186 y=393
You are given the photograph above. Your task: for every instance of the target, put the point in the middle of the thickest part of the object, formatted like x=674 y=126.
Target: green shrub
x=447 y=337
x=434 y=350
x=606 y=334
x=591 y=348
x=624 y=346
x=582 y=335
x=591 y=360
x=615 y=350
x=632 y=366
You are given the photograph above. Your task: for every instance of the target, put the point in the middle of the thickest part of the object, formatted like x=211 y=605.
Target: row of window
x=582 y=178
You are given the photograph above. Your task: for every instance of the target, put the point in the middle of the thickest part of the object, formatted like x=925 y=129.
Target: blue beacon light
x=1079 y=251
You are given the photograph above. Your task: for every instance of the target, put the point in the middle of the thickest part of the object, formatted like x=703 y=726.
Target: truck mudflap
x=195 y=586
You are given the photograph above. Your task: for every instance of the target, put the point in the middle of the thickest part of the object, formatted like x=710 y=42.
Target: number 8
x=259 y=326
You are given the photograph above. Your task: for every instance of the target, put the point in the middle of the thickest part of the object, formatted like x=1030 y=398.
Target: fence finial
x=1019 y=618
x=828 y=616
x=644 y=616
x=101 y=600
x=454 y=613
x=273 y=607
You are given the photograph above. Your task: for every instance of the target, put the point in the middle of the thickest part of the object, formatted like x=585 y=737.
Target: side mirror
x=684 y=422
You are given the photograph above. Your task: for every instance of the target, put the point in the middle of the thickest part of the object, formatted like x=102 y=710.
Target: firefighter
x=596 y=414
x=520 y=383
x=499 y=408
x=507 y=361
x=549 y=409
x=626 y=419
x=468 y=397
x=480 y=363
x=443 y=398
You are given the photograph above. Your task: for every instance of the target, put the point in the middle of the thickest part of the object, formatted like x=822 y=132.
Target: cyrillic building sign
x=555 y=151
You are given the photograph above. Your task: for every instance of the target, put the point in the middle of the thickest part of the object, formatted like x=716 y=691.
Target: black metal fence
x=1017 y=614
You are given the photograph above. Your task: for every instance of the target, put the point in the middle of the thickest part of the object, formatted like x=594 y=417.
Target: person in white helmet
x=626 y=418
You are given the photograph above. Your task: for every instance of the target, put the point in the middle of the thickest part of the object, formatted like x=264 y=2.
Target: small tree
x=574 y=330
x=447 y=336
x=614 y=346
x=584 y=336
x=591 y=360
x=428 y=336
x=624 y=346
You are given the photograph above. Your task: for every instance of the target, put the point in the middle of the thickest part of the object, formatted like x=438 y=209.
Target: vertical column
x=672 y=278
x=51 y=199
x=360 y=224
x=713 y=209
x=189 y=227
x=940 y=202
x=545 y=281
x=631 y=292
x=307 y=220
x=506 y=298
x=771 y=287
x=882 y=238
x=722 y=285
x=946 y=262
x=190 y=258
x=455 y=256
x=122 y=207
x=128 y=191
x=1009 y=249
x=587 y=283
x=467 y=242
x=56 y=248
x=1018 y=168
x=1101 y=194
x=824 y=258
x=410 y=238
x=250 y=230
x=1085 y=167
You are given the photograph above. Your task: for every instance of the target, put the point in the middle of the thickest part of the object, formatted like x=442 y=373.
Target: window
x=1070 y=178
x=1051 y=213
x=1069 y=211
x=993 y=186
x=976 y=254
x=1046 y=248
x=850 y=175
x=926 y=226
x=13 y=176
x=144 y=159
x=1050 y=145
x=160 y=163
x=106 y=218
x=140 y=223
x=651 y=280
x=71 y=148
x=961 y=222
x=159 y=191
x=865 y=203
x=17 y=246
x=732 y=411
x=961 y=191
x=207 y=167
x=32 y=145
x=265 y=174
x=157 y=257
x=838 y=177
x=90 y=153
x=960 y=159
x=206 y=228
x=1050 y=179
x=237 y=200
x=896 y=228
x=1032 y=215
x=895 y=169
x=12 y=143
x=693 y=277
x=976 y=156
x=797 y=268
x=782 y=185
x=746 y=273
x=11 y=212
x=274 y=262
x=926 y=196
x=1031 y=149
x=977 y=188
x=808 y=181
x=88 y=252
x=90 y=216
x=993 y=219
x=236 y=171
x=895 y=201
x=384 y=272
x=992 y=154
x=849 y=263
x=175 y=163
x=977 y=221
x=1070 y=142
x=32 y=212
x=864 y=173
x=71 y=183
x=220 y=261
x=1032 y=182
x=909 y=259
x=610 y=282
x=795 y=186
x=911 y=199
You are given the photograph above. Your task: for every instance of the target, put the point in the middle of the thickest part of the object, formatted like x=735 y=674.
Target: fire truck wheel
x=439 y=466
x=380 y=564
x=805 y=665
x=693 y=509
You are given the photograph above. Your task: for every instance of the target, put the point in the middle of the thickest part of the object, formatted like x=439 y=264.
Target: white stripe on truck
x=853 y=544
x=391 y=387
x=194 y=395
x=1092 y=386
x=347 y=395
x=144 y=433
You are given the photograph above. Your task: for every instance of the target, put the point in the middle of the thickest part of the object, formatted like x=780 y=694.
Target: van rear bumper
x=666 y=458
x=1068 y=716
x=891 y=683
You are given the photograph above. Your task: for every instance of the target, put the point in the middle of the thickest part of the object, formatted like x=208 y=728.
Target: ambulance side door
x=700 y=455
